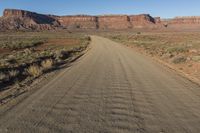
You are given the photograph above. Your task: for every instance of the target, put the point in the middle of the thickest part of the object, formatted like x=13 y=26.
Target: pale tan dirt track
x=111 y=89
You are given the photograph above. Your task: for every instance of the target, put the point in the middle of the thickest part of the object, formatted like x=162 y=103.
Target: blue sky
x=162 y=8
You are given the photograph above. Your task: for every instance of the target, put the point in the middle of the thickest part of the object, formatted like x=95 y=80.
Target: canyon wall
x=26 y=19
x=14 y=19
x=38 y=18
x=21 y=19
x=114 y=22
x=143 y=20
x=192 y=22
x=105 y=22
x=81 y=21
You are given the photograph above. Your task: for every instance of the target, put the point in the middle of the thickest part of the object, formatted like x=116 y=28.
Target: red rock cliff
x=21 y=19
x=185 y=20
x=114 y=22
x=29 y=19
x=83 y=22
x=38 y=18
x=16 y=13
x=142 y=20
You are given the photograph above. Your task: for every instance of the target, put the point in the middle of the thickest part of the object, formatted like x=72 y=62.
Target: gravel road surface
x=111 y=89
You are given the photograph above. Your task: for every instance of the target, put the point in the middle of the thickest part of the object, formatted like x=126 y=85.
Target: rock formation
x=81 y=21
x=143 y=20
x=185 y=20
x=37 y=18
x=13 y=19
x=19 y=19
x=114 y=22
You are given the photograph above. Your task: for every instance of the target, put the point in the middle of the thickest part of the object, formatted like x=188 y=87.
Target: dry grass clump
x=179 y=59
x=34 y=71
x=21 y=44
x=62 y=54
x=13 y=73
x=3 y=77
x=47 y=64
x=177 y=49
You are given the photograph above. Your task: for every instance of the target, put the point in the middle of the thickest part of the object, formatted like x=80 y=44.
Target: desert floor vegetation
x=30 y=54
x=180 y=49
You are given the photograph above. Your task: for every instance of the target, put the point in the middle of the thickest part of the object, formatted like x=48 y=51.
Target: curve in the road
x=111 y=89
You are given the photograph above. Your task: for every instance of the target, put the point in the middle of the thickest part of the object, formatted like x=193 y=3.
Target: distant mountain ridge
x=14 y=19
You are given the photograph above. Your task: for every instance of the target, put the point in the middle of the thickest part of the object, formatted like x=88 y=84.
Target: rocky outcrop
x=38 y=18
x=13 y=19
x=114 y=22
x=20 y=19
x=106 y=21
x=14 y=23
x=78 y=22
x=182 y=22
x=185 y=20
x=157 y=20
x=143 y=20
x=24 y=20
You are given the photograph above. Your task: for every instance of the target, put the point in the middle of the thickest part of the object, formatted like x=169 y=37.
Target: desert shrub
x=27 y=51
x=34 y=70
x=11 y=60
x=3 y=77
x=88 y=38
x=142 y=44
x=196 y=58
x=13 y=73
x=179 y=59
x=178 y=49
x=47 y=64
x=20 y=44
x=62 y=54
x=46 y=53
x=116 y=37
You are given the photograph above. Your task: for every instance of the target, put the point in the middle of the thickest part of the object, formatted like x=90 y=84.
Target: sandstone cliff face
x=114 y=22
x=20 y=19
x=38 y=18
x=185 y=20
x=142 y=20
x=14 y=23
x=82 y=22
x=24 y=20
x=192 y=22
x=13 y=19
x=157 y=20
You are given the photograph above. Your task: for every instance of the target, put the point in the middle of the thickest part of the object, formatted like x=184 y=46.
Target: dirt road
x=112 y=89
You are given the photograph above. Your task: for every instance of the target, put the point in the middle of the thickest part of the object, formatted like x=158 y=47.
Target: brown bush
x=47 y=64
x=34 y=71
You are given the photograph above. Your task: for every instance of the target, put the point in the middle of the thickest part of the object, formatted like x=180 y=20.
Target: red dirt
x=4 y=51
x=58 y=42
